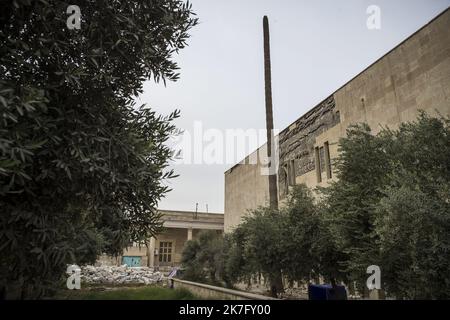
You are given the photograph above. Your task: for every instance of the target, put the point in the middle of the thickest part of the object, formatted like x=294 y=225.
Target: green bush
x=389 y=207
x=202 y=258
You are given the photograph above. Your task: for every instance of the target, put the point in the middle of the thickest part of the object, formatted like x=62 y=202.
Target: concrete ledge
x=207 y=291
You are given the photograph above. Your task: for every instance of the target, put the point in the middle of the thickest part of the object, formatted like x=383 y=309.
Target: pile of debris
x=295 y=293
x=119 y=275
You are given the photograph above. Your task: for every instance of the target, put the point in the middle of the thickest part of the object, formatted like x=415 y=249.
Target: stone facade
x=413 y=76
x=245 y=188
x=297 y=143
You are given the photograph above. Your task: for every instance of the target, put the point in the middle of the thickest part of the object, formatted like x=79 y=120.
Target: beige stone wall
x=108 y=260
x=176 y=230
x=205 y=291
x=178 y=237
x=137 y=252
x=169 y=216
x=414 y=75
x=245 y=189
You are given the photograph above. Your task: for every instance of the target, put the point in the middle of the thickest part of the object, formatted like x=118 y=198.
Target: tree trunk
x=276 y=285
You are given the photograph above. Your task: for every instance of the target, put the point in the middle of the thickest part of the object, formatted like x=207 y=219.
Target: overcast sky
x=316 y=47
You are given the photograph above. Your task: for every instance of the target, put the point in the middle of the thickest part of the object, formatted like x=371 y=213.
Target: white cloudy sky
x=316 y=47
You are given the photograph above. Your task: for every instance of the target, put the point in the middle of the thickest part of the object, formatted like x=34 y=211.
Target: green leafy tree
x=81 y=167
x=390 y=207
x=350 y=203
x=193 y=269
x=310 y=245
x=413 y=221
x=261 y=244
x=329 y=256
x=294 y=243
x=203 y=258
x=301 y=227
x=236 y=268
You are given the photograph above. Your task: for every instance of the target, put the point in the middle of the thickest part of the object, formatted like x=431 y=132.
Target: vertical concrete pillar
x=151 y=250
x=327 y=159
x=189 y=234
x=317 y=164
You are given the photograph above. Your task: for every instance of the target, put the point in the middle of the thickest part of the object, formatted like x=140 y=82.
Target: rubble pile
x=119 y=275
x=291 y=293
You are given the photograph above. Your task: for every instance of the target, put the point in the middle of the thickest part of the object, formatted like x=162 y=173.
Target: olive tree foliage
x=350 y=203
x=293 y=243
x=252 y=249
x=81 y=166
x=203 y=258
x=264 y=246
x=390 y=207
x=301 y=227
x=256 y=247
x=413 y=217
x=311 y=248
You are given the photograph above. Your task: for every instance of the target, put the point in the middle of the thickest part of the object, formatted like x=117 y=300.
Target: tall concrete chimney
x=273 y=193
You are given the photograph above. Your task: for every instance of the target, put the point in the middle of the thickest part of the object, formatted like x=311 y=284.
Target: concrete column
x=326 y=150
x=189 y=234
x=317 y=164
x=152 y=248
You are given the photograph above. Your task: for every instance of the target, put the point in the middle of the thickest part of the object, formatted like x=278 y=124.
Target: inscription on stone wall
x=297 y=142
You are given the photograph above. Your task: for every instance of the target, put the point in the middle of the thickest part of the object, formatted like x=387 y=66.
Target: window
x=327 y=160
x=291 y=172
x=165 y=251
x=285 y=174
x=323 y=161
x=317 y=164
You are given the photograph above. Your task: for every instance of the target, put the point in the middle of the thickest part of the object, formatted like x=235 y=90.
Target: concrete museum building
x=413 y=76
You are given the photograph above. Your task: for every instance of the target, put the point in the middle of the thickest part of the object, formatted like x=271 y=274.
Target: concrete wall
x=178 y=237
x=178 y=225
x=191 y=216
x=297 y=142
x=206 y=291
x=136 y=252
x=414 y=75
x=245 y=188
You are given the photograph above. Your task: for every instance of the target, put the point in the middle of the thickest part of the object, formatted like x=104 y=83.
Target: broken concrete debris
x=119 y=275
